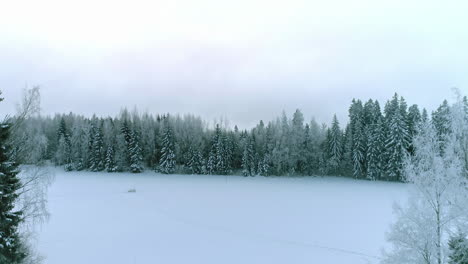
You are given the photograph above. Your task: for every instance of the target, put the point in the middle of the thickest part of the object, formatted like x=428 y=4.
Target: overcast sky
x=245 y=60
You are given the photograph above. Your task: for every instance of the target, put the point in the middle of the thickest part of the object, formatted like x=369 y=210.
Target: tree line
x=371 y=145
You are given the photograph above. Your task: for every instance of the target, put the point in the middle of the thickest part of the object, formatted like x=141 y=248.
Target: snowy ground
x=215 y=219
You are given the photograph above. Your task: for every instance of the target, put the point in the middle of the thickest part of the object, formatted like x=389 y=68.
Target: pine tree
x=307 y=151
x=110 y=164
x=414 y=121
x=297 y=139
x=220 y=150
x=135 y=154
x=397 y=141
x=441 y=121
x=357 y=138
x=248 y=158
x=79 y=141
x=458 y=246
x=63 y=155
x=168 y=158
x=126 y=134
x=375 y=149
x=11 y=247
x=96 y=162
x=220 y=156
x=195 y=163
x=335 y=147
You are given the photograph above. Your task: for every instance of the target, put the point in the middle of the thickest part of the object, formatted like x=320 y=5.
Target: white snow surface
x=213 y=219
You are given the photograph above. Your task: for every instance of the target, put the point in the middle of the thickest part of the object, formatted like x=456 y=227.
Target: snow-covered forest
x=400 y=143
x=371 y=145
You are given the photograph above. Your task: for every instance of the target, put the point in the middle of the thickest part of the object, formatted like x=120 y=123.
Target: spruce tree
x=357 y=138
x=168 y=157
x=335 y=147
x=97 y=162
x=458 y=246
x=63 y=155
x=195 y=163
x=135 y=154
x=248 y=158
x=397 y=141
x=375 y=149
x=11 y=247
x=110 y=164
x=442 y=123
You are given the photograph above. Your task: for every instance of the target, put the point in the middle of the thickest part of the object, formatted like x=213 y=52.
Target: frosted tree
x=435 y=207
x=397 y=140
x=135 y=153
x=458 y=249
x=213 y=155
x=110 y=165
x=220 y=156
x=126 y=136
x=335 y=147
x=96 y=148
x=375 y=148
x=308 y=151
x=441 y=120
x=120 y=155
x=64 y=153
x=297 y=162
x=168 y=158
x=459 y=127
x=195 y=163
x=357 y=138
x=358 y=150
x=248 y=158
x=79 y=141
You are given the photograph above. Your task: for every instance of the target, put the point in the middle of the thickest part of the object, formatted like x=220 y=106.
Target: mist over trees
x=372 y=145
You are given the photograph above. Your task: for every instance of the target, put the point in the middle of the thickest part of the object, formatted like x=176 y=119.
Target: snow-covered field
x=215 y=219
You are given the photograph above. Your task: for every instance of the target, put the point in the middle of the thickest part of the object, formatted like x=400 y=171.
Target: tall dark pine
x=136 y=157
x=441 y=121
x=335 y=148
x=248 y=157
x=397 y=141
x=11 y=250
x=168 y=158
x=195 y=163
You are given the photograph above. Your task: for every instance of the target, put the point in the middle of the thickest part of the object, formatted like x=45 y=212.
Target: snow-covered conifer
x=168 y=157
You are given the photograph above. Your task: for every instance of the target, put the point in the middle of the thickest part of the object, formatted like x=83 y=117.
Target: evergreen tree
x=195 y=163
x=442 y=124
x=397 y=141
x=248 y=158
x=414 y=121
x=308 y=151
x=297 y=162
x=335 y=145
x=458 y=246
x=79 y=141
x=63 y=155
x=11 y=247
x=220 y=156
x=96 y=162
x=168 y=158
x=357 y=138
x=135 y=154
x=126 y=134
x=375 y=148
x=110 y=164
